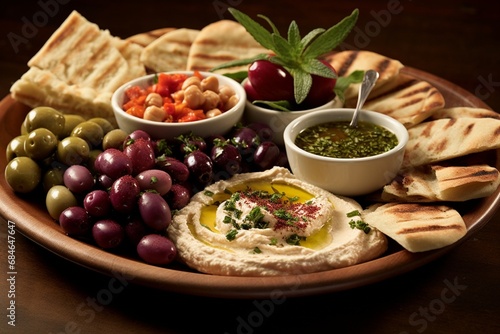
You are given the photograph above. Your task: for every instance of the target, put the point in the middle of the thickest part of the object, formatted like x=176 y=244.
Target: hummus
x=271 y=223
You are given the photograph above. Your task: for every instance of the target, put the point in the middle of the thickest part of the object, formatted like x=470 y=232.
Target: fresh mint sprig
x=299 y=56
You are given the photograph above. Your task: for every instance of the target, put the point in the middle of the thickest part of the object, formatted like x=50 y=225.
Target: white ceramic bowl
x=278 y=120
x=347 y=177
x=217 y=125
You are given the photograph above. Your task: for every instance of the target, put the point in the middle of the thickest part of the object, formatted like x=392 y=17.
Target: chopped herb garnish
x=294 y=240
x=353 y=214
x=231 y=235
x=256 y=250
x=360 y=225
x=208 y=193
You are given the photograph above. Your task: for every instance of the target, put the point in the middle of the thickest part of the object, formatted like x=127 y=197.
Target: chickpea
x=193 y=97
x=212 y=100
x=210 y=83
x=225 y=93
x=154 y=113
x=213 y=112
x=191 y=81
x=233 y=100
x=154 y=99
x=178 y=96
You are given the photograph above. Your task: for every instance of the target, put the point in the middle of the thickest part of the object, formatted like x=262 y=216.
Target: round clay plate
x=32 y=220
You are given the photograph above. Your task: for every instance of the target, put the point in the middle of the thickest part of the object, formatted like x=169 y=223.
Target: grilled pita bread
x=170 y=51
x=444 y=139
x=458 y=112
x=146 y=38
x=417 y=227
x=442 y=183
x=346 y=62
x=221 y=42
x=410 y=101
x=78 y=69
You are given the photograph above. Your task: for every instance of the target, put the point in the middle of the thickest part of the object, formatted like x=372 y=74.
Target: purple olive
x=178 y=196
x=123 y=194
x=156 y=249
x=97 y=203
x=154 y=211
x=142 y=154
x=177 y=170
x=78 y=179
x=75 y=221
x=107 y=233
x=200 y=167
x=154 y=179
x=113 y=163
x=266 y=155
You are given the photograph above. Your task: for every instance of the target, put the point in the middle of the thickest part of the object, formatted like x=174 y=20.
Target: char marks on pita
x=221 y=42
x=444 y=139
x=415 y=226
x=346 y=62
x=146 y=38
x=459 y=112
x=432 y=183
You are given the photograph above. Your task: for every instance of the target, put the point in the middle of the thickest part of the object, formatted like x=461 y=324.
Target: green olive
x=40 y=144
x=71 y=121
x=58 y=199
x=90 y=131
x=53 y=177
x=72 y=151
x=44 y=117
x=23 y=174
x=103 y=123
x=114 y=139
x=15 y=148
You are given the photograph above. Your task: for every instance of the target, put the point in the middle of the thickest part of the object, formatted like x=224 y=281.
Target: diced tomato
x=192 y=115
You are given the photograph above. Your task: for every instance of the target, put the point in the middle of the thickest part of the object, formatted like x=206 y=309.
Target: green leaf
x=238 y=76
x=310 y=37
x=240 y=62
x=314 y=66
x=258 y=32
x=276 y=105
x=282 y=48
x=268 y=20
x=343 y=83
x=332 y=37
x=294 y=39
x=302 y=82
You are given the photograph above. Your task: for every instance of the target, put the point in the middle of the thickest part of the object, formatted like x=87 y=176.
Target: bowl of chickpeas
x=170 y=104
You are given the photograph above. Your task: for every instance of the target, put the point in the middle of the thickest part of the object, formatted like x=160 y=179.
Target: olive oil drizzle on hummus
x=291 y=209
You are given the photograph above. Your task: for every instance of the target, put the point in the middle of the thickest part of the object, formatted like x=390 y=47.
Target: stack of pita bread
x=413 y=208
x=80 y=66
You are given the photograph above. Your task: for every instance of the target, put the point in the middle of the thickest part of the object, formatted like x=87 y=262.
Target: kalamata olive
x=40 y=144
x=58 y=199
x=177 y=170
x=75 y=221
x=78 y=179
x=23 y=174
x=15 y=148
x=108 y=233
x=154 y=179
x=266 y=155
x=200 y=167
x=104 y=181
x=72 y=151
x=245 y=137
x=44 y=117
x=178 y=196
x=156 y=249
x=142 y=155
x=135 y=229
x=154 y=210
x=71 y=120
x=105 y=125
x=136 y=134
x=97 y=203
x=91 y=132
x=226 y=157
x=264 y=131
x=114 y=139
x=113 y=163
x=123 y=194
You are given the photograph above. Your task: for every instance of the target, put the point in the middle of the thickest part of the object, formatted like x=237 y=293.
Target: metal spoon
x=369 y=81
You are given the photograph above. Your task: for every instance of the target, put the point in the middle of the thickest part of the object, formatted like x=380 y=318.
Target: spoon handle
x=369 y=80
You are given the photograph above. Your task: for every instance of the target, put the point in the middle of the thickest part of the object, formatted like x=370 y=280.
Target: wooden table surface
x=457 y=293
